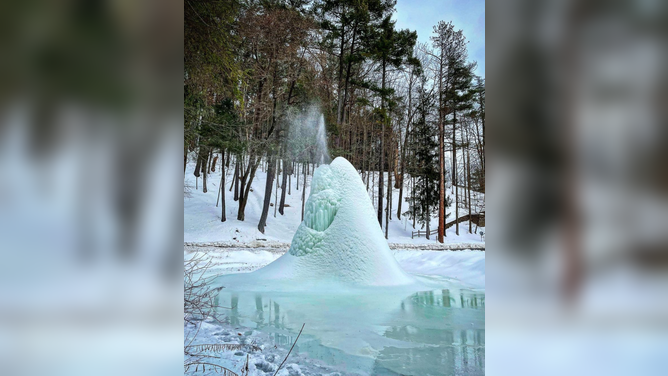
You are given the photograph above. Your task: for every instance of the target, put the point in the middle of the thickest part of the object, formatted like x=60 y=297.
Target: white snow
x=467 y=267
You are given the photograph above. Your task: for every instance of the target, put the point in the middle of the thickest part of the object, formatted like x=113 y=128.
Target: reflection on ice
x=437 y=332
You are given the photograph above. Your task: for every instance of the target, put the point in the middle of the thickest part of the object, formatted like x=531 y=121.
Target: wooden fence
x=419 y=233
x=478 y=219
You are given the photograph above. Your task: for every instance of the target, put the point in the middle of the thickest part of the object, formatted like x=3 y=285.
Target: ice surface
x=373 y=330
x=438 y=332
x=339 y=240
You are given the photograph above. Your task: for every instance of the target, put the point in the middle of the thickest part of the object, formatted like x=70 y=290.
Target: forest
x=260 y=74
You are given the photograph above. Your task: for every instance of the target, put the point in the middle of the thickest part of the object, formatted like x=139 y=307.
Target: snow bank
x=467 y=267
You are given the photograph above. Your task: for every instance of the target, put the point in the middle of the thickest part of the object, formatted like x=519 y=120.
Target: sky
x=467 y=15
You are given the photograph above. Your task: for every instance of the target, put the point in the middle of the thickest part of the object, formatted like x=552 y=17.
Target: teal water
x=436 y=332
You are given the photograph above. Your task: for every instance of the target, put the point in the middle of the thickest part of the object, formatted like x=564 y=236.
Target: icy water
x=379 y=332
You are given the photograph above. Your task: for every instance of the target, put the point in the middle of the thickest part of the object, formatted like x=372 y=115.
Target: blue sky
x=467 y=15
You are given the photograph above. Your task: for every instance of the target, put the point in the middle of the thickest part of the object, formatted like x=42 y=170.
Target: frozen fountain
x=339 y=240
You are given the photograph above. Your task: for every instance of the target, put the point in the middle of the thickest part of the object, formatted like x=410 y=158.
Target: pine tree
x=459 y=100
x=453 y=80
x=391 y=49
x=423 y=202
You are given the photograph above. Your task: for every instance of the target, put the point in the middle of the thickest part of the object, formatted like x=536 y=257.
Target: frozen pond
x=374 y=332
x=427 y=333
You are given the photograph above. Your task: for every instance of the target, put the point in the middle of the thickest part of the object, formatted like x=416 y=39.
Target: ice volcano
x=339 y=240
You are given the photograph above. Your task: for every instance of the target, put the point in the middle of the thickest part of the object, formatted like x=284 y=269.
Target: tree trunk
x=350 y=62
x=213 y=163
x=242 y=182
x=388 y=207
x=284 y=183
x=441 y=159
x=267 y=194
x=246 y=186
x=364 y=152
x=405 y=146
x=454 y=150
x=205 y=168
x=278 y=161
x=373 y=186
x=339 y=110
x=482 y=159
x=395 y=160
x=468 y=182
x=412 y=193
x=242 y=187
x=427 y=211
x=221 y=187
x=454 y=168
x=304 y=191
x=236 y=178
x=198 y=165
x=388 y=216
x=382 y=155
x=223 y=216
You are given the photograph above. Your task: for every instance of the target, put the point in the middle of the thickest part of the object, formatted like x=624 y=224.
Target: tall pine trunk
x=223 y=216
x=339 y=110
x=234 y=176
x=304 y=190
x=389 y=198
x=412 y=194
x=441 y=158
x=427 y=207
x=267 y=194
x=349 y=66
x=246 y=186
x=382 y=153
x=454 y=170
x=286 y=164
x=237 y=170
x=205 y=170
x=278 y=171
x=198 y=167
x=468 y=176
x=403 y=149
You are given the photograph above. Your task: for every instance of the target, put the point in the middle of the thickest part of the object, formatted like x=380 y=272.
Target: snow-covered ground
x=201 y=220
x=468 y=266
